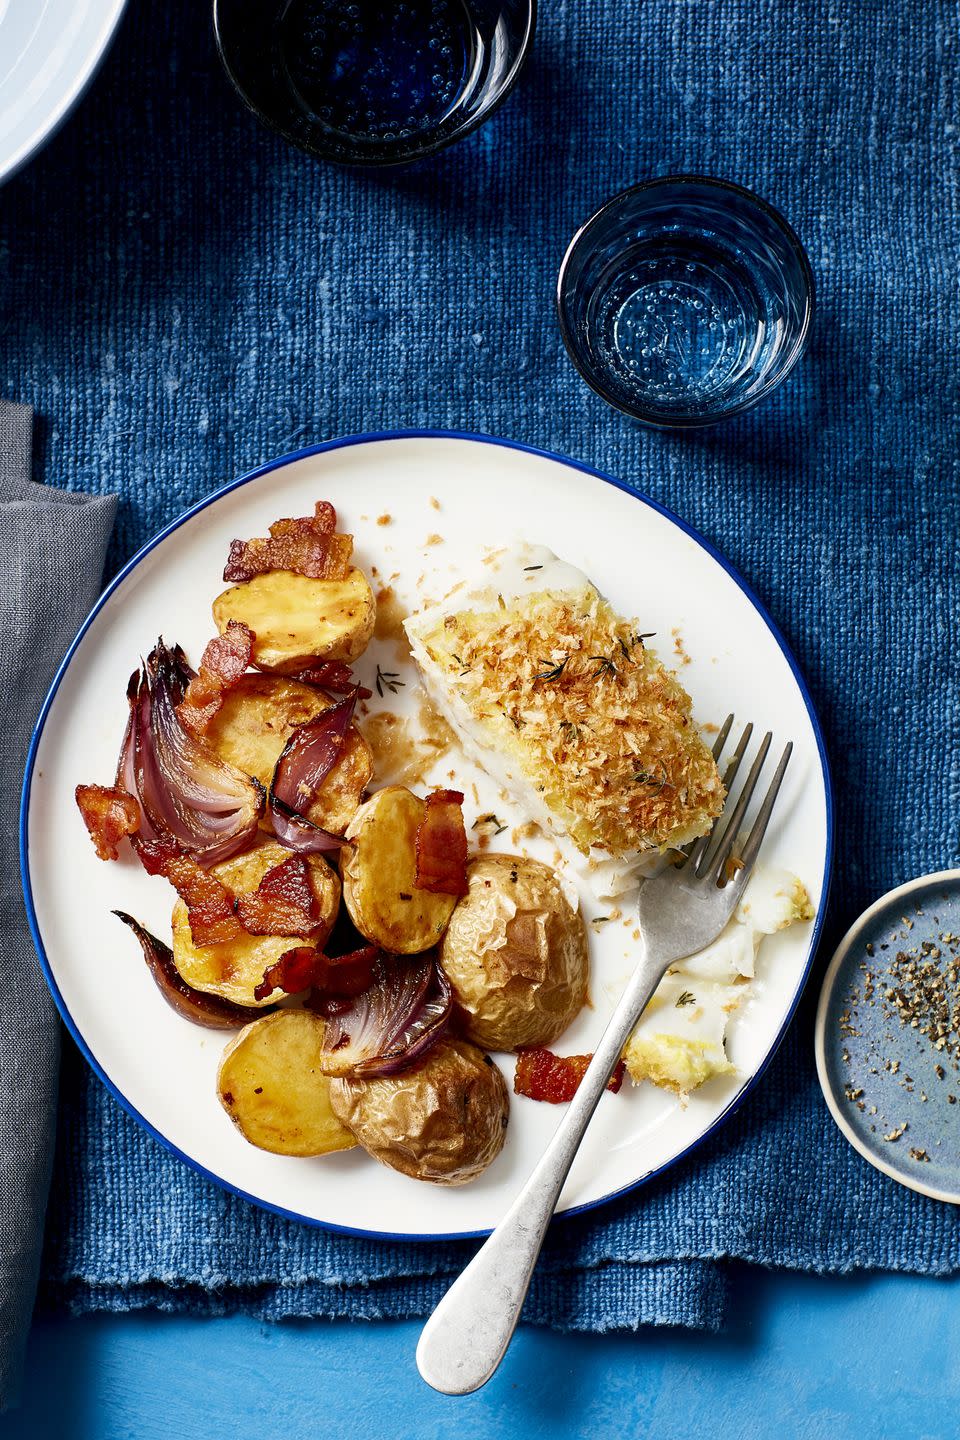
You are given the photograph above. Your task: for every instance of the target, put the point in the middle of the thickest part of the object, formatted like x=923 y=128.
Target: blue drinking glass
x=685 y=300
x=370 y=82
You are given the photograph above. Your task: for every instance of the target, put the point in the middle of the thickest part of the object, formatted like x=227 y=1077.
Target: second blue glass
x=685 y=300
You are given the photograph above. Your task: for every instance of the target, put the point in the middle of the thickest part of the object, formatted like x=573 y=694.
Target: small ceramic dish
x=887 y=1046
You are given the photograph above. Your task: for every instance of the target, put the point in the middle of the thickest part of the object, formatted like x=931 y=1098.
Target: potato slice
x=254 y=723
x=379 y=873
x=270 y=1084
x=234 y=968
x=297 y=620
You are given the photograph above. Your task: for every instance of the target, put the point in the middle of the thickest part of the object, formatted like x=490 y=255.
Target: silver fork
x=682 y=909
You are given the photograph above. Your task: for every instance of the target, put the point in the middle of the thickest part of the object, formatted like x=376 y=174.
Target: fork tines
x=711 y=854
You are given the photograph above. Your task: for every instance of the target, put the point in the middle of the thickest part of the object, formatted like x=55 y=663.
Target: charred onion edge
x=294 y=769
x=167 y=759
x=390 y=1025
x=211 y=1011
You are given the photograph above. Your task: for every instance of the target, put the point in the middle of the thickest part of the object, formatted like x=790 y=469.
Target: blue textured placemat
x=184 y=297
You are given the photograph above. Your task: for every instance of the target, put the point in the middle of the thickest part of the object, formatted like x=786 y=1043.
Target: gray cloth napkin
x=52 y=547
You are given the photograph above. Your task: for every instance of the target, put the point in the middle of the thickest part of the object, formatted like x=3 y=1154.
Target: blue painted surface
x=809 y=1358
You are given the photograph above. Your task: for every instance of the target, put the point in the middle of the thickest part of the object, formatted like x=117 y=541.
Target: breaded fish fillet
x=564 y=704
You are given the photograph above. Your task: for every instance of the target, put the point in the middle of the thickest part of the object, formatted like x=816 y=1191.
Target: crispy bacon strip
x=442 y=845
x=306 y=969
x=284 y=902
x=224 y=661
x=210 y=905
x=308 y=546
x=541 y=1075
x=332 y=675
x=110 y=814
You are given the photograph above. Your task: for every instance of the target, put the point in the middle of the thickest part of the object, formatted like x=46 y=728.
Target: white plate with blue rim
x=49 y=52
x=888 y=1035
x=446 y=496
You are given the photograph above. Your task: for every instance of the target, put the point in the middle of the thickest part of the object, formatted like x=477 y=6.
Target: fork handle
x=468 y=1333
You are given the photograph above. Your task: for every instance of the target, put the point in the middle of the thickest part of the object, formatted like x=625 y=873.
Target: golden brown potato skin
x=516 y=954
x=444 y=1120
x=254 y=722
x=271 y=1086
x=297 y=620
x=234 y=968
x=379 y=875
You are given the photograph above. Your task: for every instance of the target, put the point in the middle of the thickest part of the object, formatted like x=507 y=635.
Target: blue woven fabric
x=184 y=297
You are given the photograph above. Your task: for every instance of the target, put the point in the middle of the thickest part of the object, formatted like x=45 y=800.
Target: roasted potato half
x=234 y=968
x=379 y=874
x=271 y=1086
x=443 y=1120
x=255 y=721
x=297 y=620
x=516 y=954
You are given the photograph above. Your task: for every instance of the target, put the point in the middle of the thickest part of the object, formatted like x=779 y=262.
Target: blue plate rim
x=853 y=934
x=342 y=443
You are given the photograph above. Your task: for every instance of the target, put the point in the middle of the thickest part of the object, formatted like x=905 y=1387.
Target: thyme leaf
x=605 y=667
x=488 y=822
x=644 y=777
x=387 y=679
x=552 y=672
x=686 y=997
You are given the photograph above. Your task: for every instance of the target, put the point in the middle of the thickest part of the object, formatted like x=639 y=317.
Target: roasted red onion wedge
x=305 y=762
x=387 y=1027
x=307 y=546
x=442 y=845
x=283 y=903
x=210 y=905
x=186 y=791
x=307 y=969
x=541 y=1075
x=299 y=834
x=195 y=1005
x=110 y=814
x=223 y=662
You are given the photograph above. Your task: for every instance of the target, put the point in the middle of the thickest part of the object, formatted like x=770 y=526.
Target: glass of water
x=373 y=82
x=685 y=300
